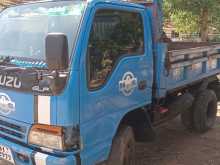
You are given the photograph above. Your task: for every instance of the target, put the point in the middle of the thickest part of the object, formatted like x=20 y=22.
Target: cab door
x=116 y=73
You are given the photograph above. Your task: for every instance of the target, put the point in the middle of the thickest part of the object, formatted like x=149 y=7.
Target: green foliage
x=215 y=19
x=194 y=6
x=189 y=16
x=167 y=10
x=185 y=22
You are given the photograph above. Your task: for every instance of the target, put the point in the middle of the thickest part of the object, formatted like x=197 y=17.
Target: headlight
x=53 y=137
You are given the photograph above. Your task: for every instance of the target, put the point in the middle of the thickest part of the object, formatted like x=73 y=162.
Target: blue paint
x=51 y=159
x=98 y=113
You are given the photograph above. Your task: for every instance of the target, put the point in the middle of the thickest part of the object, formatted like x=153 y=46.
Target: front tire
x=123 y=148
x=204 y=111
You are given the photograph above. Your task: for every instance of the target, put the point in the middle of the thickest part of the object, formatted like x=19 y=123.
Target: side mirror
x=57 y=56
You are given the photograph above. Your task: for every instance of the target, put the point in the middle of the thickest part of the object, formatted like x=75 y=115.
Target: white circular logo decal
x=128 y=83
x=6 y=105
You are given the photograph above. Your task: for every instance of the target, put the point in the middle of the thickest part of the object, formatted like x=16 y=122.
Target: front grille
x=13 y=126
x=12 y=130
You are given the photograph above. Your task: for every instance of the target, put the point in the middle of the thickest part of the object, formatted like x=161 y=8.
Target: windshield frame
x=21 y=72
x=75 y=40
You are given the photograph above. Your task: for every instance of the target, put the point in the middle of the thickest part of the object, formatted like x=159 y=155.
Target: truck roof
x=137 y=3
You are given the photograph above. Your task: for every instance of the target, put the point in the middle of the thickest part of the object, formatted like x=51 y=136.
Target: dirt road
x=177 y=146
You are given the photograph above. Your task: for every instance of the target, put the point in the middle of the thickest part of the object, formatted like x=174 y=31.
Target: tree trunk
x=204 y=25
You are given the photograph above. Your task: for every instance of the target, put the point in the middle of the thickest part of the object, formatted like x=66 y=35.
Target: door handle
x=142 y=85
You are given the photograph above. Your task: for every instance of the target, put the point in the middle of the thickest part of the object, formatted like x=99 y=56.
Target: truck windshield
x=23 y=29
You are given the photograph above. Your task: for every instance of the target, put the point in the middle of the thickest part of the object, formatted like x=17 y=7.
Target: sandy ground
x=177 y=146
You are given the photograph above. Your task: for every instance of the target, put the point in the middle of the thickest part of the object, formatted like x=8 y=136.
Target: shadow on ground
x=177 y=146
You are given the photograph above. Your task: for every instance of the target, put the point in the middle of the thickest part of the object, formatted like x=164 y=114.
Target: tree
x=185 y=22
x=204 y=13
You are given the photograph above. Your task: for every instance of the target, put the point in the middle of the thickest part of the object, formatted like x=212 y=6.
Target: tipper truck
x=82 y=81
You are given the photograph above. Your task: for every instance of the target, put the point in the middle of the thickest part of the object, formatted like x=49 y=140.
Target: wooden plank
x=186 y=57
x=187 y=63
x=215 y=56
x=207 y=49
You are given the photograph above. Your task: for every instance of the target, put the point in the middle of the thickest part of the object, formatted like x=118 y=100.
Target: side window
x=114 y=34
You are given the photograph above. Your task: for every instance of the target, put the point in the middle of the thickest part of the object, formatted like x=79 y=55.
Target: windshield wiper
x=5 y=60
x=6 y=65
x=12 y=68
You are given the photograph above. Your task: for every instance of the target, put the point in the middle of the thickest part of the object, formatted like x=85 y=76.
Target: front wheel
x=123 y=148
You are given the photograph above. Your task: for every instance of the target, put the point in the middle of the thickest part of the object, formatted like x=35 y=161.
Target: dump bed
x=187 y=62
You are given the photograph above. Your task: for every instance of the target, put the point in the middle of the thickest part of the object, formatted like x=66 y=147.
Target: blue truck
x=82 y=81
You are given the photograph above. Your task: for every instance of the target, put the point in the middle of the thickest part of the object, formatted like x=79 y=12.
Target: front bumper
x=33 y=157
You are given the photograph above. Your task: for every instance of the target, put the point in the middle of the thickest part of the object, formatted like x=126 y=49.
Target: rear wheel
x=216 y=88
x=123 y=148
x=187 y=119
x=204 y=111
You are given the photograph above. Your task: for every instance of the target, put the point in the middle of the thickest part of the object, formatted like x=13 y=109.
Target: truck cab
x=70 y=71
x=77 y=77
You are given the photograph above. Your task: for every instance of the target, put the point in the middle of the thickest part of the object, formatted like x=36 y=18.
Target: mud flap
x=151 y=136
x=144 y=130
